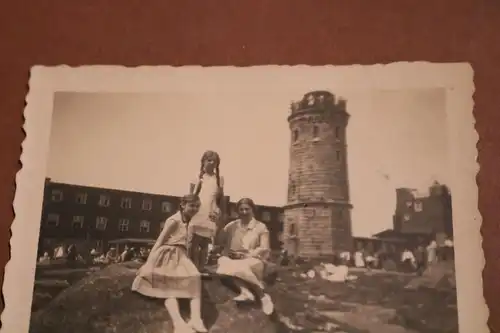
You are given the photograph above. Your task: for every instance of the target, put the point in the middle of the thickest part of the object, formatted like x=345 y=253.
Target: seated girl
x=168 y=272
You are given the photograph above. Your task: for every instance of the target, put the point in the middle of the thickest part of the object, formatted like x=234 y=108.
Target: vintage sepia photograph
x=260 y=199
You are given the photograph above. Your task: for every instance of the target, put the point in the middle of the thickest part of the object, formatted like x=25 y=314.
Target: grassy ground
x=50 y=281
x=303 y=305
x=379 y=295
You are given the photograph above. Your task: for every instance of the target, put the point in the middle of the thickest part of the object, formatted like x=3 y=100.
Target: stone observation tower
x=318 y=206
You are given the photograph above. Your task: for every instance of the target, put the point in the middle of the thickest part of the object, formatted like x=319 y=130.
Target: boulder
x=103 y=302
x=439 y=276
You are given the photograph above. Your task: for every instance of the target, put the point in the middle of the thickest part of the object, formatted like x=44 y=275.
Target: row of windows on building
x=315 y=134
x=105 y=201
x=101 y=223
x=126 y=203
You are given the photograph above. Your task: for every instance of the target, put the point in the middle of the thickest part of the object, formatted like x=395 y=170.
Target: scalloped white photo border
x=455 y=78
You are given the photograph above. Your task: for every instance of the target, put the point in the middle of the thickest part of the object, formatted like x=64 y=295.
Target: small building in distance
x=420 y=217
x=92 y=217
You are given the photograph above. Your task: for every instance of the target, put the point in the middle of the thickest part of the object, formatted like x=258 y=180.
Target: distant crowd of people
x=112 y=255
x=415 y=259
x=70 y=253
x=409 y=259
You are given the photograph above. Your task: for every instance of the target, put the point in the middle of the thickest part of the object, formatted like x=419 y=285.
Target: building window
x=234 y=213
x=99 y=244
x=266 y=216
x=418 y=206
x=295 y=135
x=315 y=131
x=101 y=223
x=77 y=222
x=337 y=132
x=338 y=156
x=406 y=217
x=81 y=198
x=293 y=189
x=147 y=204
x=282 y=217
x=166 y=207
x=53 y=220
x=57 y=195
x=126 y=203
x=144 y=226
x=123 y=225
x=104 y=200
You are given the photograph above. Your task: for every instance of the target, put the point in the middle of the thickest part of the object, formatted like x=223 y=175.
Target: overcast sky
x=153 y=142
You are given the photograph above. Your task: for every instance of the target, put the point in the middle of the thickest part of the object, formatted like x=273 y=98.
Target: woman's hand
x=237 y=255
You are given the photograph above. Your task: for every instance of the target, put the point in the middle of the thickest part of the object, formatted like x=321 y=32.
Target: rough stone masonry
x=318 y=188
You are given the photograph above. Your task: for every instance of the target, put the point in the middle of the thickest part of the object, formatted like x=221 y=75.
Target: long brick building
x=92 y=217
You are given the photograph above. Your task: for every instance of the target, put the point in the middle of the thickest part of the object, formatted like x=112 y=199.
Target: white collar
x=251 y=225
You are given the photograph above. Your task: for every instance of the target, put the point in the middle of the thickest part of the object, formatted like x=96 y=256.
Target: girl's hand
x=215 y=214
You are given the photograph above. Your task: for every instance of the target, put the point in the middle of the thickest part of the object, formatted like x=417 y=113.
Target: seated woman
x=245 y=249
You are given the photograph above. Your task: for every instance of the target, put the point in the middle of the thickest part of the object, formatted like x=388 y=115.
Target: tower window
x=338 y=155
x=295 y=135
x=337 y=132
x=315 y=131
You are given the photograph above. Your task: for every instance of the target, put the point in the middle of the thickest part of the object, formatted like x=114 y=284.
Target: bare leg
x=196 y=321
x=173 y=309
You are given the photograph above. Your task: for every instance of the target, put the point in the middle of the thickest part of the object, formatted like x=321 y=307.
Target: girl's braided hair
x=210 y=154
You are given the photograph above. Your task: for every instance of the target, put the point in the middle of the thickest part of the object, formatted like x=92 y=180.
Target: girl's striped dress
x=168 y=272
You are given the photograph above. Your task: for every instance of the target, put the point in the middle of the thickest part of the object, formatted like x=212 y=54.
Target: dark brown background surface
x=242 y=33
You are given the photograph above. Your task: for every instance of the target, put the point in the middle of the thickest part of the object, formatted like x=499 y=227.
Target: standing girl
x=209 y=188
x=168 y=273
